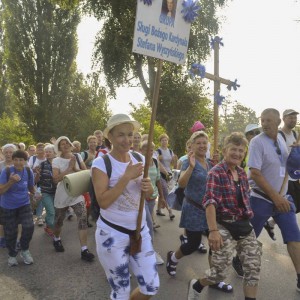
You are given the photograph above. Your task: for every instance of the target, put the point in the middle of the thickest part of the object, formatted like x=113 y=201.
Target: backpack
x=28 y=174
x=284 y=137
x=86 y=155
x=160 y=153
x=95 y=209
x=293 y=163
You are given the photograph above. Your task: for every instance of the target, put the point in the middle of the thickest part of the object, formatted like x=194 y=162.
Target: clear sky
x=261 y=50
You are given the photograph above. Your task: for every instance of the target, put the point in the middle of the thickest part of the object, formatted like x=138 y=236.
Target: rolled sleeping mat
x=77 y=183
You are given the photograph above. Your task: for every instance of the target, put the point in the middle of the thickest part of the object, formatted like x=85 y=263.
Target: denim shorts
x=287 y=222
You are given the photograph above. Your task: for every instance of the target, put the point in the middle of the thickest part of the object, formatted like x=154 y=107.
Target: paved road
x=59 y=276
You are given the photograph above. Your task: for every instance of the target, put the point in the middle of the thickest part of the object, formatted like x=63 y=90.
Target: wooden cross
x=217 y=83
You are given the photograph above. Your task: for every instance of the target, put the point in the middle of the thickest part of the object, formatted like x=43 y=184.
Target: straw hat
x=58 y=141
x=119 y=119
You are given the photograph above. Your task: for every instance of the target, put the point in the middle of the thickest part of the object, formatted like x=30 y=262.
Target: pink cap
x=197 y=127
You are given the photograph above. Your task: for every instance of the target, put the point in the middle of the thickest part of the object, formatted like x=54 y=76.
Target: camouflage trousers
x=249 y=250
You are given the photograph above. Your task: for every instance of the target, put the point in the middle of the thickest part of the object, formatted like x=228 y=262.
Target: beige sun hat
x=119 y=119
x=58 y=141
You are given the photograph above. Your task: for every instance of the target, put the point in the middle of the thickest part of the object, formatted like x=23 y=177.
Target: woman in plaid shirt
x=228 y=214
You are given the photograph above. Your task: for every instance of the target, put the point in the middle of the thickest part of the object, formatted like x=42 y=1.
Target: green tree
x=13 y=130
x=235 y=117
x=142 y=114
x=40 y=46
x=90 y=109
x=180 y=99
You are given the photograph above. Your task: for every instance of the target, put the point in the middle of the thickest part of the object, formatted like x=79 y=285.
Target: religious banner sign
x=162 y=28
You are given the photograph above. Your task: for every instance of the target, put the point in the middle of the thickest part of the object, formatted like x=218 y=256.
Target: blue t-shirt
x=17 y=195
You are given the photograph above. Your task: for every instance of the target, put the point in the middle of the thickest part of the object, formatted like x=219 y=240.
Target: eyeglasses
x=278 y=151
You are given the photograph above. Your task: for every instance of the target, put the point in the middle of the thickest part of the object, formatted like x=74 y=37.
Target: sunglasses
x=254 y=132
x=278 y=151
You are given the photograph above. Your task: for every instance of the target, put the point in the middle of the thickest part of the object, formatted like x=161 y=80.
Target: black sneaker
x=171 y=266
x=202 y=249
x=270 y=230
x=58 y=246
x=236 y=264
x=183 y=239
x=87 y=255
x=298 y=286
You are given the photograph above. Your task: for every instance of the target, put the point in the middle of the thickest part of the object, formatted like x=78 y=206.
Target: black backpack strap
x=107 y=163
x=282 y=134
x=295 y=134
x=77 y=159
x=137 y=156
x=33 y=160
x=7 y=173
x=29 y=175
x=86 y=155
x=155 y=162
x=159 y=151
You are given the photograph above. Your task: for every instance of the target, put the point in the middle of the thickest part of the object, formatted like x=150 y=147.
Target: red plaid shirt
x=221 y=192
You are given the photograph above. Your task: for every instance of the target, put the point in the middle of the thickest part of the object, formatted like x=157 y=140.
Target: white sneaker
x=159 y=260
x=40 y=221
x=193 y=294
x=27 y=258
x=12 y=261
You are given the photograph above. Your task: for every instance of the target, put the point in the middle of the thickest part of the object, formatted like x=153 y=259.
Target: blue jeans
x=11 y=218
x=149 y=206
x=48 y=202
x=39 y=209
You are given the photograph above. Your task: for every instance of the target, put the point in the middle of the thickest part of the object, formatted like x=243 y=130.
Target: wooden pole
x=216 y=90
x=150 y=139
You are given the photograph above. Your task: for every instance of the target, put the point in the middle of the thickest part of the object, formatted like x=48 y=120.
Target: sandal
x=222 y=286
x=171 y=266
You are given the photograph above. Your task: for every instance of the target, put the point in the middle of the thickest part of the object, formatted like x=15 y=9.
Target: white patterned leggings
x=113 y=254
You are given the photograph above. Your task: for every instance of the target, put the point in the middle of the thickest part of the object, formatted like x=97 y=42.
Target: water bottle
x=38 y=194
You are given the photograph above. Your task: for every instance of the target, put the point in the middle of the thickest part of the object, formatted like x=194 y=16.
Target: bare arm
x=186 y=175
x=214 y=238
x=105 y=196
x=13 y=178
x=280 y=202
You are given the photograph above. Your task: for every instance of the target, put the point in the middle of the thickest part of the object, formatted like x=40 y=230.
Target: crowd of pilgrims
x=215 y=191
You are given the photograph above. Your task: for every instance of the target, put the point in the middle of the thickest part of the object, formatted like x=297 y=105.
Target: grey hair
x=9 y=146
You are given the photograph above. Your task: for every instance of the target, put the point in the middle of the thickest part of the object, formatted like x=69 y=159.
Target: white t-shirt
x=62 y=199
x=124 y=210
x=166 y=158
x=37 y=162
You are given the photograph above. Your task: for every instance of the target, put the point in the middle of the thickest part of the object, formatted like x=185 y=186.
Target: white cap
x=251 y=127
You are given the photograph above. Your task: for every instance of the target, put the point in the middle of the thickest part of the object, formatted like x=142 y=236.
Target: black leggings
x=193 y=240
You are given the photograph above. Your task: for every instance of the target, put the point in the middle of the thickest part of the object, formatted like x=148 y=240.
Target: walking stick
x=136 y=241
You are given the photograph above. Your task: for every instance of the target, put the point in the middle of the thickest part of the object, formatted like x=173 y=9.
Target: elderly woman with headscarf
x=118 y=182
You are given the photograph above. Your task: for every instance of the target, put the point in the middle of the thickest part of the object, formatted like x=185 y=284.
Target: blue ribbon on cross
x=190 y=9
